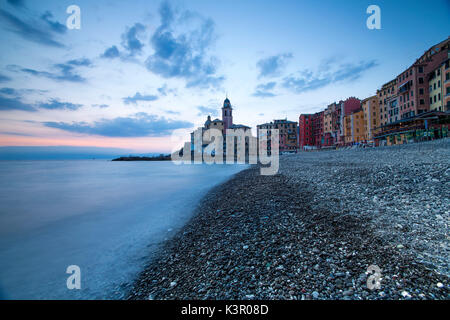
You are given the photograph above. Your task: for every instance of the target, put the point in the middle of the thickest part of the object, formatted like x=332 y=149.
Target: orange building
x=372 y=117
x=354 y=127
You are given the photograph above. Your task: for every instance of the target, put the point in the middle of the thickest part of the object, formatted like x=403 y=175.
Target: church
x=224 y=124
x=227 y=120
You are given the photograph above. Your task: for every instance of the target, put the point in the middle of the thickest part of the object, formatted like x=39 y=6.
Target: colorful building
x=372 y=117
x=436 y=88
x=287 y=132
x=387 y=100
x=354 y=127
x=446 y=80
x=347 y=107
x=413 y=86
x=331 y=118
x=317 y=128
x=305 y=132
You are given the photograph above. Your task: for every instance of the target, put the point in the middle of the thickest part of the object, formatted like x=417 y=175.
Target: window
x=420 y=80
x=439 y=83
x=421 y=91
x=421 y=102
x=420 y=70
x=439 y=97
x=447 y=76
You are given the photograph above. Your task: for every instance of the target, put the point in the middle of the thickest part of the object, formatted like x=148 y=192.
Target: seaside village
x=413 y=107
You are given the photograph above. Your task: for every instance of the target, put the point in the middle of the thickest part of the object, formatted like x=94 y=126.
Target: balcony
x=404 y=87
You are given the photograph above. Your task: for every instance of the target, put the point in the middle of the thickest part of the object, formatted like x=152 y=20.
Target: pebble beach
x=312 y=231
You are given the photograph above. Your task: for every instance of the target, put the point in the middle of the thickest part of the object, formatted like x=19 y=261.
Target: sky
x=140 y=75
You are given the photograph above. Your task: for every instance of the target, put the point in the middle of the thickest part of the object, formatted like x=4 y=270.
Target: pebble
x=316 y=227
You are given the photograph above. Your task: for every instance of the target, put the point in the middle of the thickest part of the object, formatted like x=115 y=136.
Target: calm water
x=106 y=217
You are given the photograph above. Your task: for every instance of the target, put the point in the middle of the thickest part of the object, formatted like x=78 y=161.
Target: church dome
x=226 y=103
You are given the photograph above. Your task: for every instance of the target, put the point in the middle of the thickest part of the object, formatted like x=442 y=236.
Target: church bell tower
x=227 y=114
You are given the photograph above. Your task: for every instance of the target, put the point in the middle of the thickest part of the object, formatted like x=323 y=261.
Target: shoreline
x=286 y=239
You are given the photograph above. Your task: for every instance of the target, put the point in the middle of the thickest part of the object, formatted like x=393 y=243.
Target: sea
x=85 y=229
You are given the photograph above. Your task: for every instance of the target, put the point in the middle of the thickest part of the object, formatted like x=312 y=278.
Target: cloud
x=7 y=103
x=139 y=125
x=9 y=91
x=54 y=25
x=184 y=55
x=18 y=93
x=264 y=90
x=138 y=97
x=130 y=39
x=328 y=72
x=54 y=104
x=164 y=90
x=130 y=42
x=80 y=62
x=111 y=53
x=207 y=111
x=4 y=78
x=102 y=106
x=64 y=71
x=17 y=3
x=30 y=31
x=272 y=66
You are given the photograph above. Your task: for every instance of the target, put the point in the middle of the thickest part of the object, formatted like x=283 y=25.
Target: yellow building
x=436 y=89
x=372 y=117
x=354 y=127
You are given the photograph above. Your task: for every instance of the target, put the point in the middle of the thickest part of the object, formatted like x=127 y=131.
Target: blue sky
x=138 y=70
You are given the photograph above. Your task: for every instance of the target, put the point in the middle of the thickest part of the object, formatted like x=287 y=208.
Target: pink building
x=413 y=87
